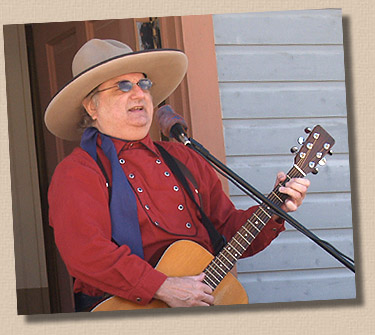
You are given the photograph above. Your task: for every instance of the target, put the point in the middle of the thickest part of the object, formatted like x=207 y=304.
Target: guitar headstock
x=314 y=148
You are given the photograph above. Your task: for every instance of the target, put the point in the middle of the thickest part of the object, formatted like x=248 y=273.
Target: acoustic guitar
x=187 y=258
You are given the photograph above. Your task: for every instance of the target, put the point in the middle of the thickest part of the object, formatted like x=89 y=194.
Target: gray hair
x=86 y=119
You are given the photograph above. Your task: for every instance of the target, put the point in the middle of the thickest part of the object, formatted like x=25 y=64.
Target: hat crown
x=96 y=51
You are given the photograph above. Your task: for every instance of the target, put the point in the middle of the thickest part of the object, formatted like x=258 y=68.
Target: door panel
x=53 y=48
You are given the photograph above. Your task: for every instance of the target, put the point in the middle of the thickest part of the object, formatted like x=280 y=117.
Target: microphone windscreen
x=167 y=118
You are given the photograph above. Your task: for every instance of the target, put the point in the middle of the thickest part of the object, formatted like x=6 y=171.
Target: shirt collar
x=122 y=145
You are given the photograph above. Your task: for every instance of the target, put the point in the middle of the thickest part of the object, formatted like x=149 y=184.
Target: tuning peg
x=308 y=130
x=293 y=150
x=300 y=140
x=330 y=152
x=315 y=171
x=322 y=162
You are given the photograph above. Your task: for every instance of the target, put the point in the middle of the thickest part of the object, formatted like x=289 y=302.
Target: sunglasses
x=126 y=85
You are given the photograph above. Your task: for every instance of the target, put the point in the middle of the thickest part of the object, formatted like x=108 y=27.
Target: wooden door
x=52 y=47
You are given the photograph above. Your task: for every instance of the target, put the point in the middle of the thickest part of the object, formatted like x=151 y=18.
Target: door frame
x=30 y=259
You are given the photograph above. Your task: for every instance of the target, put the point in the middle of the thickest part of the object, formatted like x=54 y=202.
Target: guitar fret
x=265 y=213
x=229 y=248
x=244 y=238
x=213 y=277
x=277 y=196
x=240 y=244
x=223 y=263
x=255 y=227
x=209 y=284
x=248 y=231
x=259 y=220
x=215 y=271
x=227 y=259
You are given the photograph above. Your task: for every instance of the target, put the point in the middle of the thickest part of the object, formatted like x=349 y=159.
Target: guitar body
x=183 y=258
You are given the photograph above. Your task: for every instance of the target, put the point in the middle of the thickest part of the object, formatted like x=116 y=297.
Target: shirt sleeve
x=79 y=214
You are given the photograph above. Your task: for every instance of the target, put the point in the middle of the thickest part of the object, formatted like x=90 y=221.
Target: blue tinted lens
x=145 y=84
x=126 y=85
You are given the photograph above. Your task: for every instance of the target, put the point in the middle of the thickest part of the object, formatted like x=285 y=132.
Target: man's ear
x=90 y=107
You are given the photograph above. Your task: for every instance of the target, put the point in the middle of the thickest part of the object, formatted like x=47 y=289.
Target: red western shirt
x=79 y=214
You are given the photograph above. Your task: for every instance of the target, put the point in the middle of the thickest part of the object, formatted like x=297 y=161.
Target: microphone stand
x=196 y=146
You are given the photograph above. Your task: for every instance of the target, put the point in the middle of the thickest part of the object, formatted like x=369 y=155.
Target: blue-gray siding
x=280 y=72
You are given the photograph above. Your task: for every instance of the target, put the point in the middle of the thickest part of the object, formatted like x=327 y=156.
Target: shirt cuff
x=147 y=287
x=276 y=226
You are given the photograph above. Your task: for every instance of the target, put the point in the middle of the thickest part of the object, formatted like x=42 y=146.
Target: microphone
x=171 y=124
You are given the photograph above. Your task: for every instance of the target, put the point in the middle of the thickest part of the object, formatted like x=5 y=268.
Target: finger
x=294 y=194
x=200 y=285
x=301 y=181
x=289 y=206
x=299 y=184
x=208 y=299
x=207 y=289
x=199 y=298
x=294 y=186
x=199 y=277
x=280 y=177
x=295 y=197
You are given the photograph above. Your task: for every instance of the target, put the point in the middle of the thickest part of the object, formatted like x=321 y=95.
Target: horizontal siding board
x=280 y=72
x=299 y=286
x=294 y=27
x=293 y=250
x=316 y=210
x=261 y=172
x=280 y=63
x=287 y=100
x=275 y=136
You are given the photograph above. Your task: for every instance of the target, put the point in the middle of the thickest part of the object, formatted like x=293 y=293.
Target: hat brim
x=165 y=67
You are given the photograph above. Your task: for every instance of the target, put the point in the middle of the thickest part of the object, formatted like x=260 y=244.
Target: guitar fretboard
x=219 y=267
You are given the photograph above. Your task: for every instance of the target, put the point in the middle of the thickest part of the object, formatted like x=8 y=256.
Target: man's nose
x=137 y=92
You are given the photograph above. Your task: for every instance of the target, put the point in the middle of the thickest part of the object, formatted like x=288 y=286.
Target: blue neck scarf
x=123 y=205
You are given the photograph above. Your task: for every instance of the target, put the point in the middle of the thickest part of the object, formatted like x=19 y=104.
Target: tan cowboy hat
x=100 y=60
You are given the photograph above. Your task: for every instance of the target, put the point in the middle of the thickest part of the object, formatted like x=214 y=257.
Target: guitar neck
x=240 y=242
